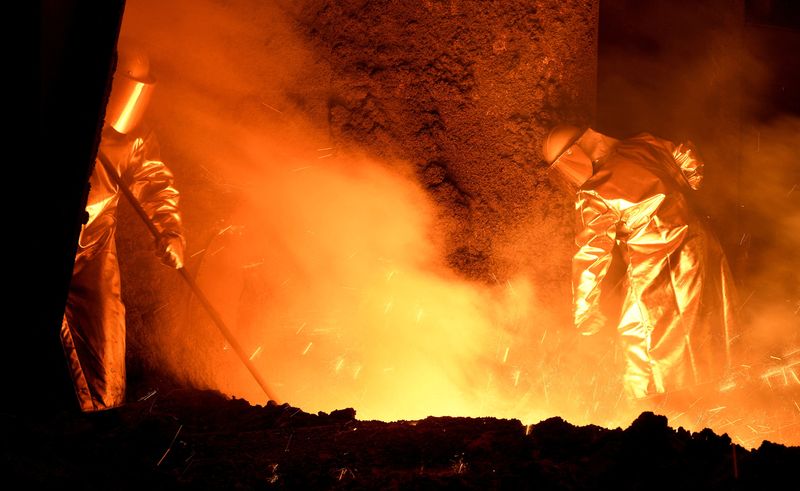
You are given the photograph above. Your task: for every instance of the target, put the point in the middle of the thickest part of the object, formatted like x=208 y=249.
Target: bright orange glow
x=332 y=274
x=330 y=271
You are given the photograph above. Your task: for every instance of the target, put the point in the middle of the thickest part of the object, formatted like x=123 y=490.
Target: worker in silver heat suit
x=676 y=323
x=93 y=329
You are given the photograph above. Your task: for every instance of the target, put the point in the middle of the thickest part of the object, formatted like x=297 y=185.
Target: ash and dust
x=330 y=264
x=770 y=294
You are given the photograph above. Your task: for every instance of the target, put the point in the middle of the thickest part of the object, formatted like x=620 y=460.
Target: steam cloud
x=326 y=263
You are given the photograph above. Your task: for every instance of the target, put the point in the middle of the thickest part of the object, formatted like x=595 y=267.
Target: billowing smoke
x=325 y=262
x=770 y=296
x=328 y=262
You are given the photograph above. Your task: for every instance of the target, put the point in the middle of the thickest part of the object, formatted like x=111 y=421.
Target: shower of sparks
x=198 y=253
x=270 y=107
x=206 y=170
x=273 y=477
x=188 y=461
x=255 y=353
x=288 y=442
x=794 y=376
x=155 y=391
x=339 y=365
x=305 y=351
x=356 y=372
x=325 y=156
x=420 y=312
x=727 y=386
x=505 y=355
x=166 y=452
x=388 y=307
x=211 y=254
x=729 y=423
x=459 y=466
x=517 y=373
x=791 y=190
x=390 y=275
x=741 y=306
x=252 y=265
x=511 y=288
x=299 y=329
x=222 y=232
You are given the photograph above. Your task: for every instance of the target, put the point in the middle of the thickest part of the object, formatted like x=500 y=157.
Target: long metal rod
x=212 y=312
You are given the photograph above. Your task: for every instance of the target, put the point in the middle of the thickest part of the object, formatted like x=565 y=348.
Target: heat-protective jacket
x=676 y=322
x=93 y=328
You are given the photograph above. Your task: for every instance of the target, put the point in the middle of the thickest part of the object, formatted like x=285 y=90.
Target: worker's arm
x=597 y=223
x=151 y=182
x=687 y=158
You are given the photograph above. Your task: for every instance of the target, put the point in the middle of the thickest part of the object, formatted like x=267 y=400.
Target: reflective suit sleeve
x=152 y=183
x=596 y=239
x=688 y=159
x=691 y=165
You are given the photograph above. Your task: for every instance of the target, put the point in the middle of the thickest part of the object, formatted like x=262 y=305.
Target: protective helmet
x=130 y=91
x=567 y=159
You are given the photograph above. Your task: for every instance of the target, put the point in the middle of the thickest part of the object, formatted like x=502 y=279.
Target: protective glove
x=170 y=249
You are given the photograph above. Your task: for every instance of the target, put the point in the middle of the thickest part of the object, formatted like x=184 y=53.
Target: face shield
x=572 y=168
x=130 y=94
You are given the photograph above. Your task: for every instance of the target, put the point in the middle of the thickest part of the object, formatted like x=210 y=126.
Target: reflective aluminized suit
x=676 y=322
x=93 y=330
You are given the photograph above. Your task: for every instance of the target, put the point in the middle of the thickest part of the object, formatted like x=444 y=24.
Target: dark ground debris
x=194 y=439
